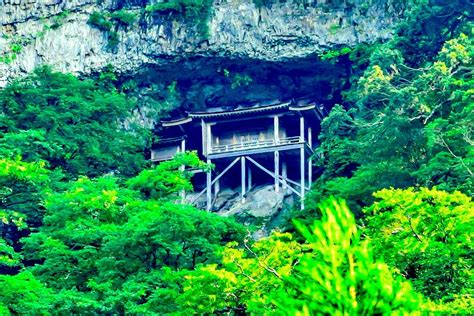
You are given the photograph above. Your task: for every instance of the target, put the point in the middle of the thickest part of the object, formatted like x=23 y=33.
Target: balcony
x=255 y=144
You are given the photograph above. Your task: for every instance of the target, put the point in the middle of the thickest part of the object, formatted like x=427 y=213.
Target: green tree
x=72 y=124
x=105 y=247
x=341 y=276
x=426 y=236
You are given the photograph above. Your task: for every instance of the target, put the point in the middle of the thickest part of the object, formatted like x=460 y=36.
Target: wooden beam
x=277 y=171
x=242 y=178
x=270 y=173
x=276 y=128
x=256 y=151
x=249 y=178
x=302 y=128
x=217 y=178
x=284 y=173
x=209 y=188
x=209 y=138
x=302 y=176
x=203 y=138
x=310 y=137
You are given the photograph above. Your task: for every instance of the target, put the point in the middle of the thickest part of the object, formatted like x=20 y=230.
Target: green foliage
x=198 y=11
x=425 y=235
x=100 y=21
x=70 y=123
x=22 y=294
x=409 y=126
x=164 y=181
x=104 y=248
x=246 y=280
x=22 y=188
x=58 y=19
x=334 y=273
x=341 y=276
x=107 y=21
x=123 y=17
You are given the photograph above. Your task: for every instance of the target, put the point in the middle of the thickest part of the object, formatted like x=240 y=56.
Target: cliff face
x=56 y=32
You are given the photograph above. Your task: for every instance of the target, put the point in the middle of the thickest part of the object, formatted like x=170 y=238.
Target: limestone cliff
x=56 y=32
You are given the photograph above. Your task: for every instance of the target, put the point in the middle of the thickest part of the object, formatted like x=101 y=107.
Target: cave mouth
x=206 y=82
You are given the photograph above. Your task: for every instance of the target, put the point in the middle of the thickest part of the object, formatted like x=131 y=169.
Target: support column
x=277 y=171
x=276 y=129
x=302 y=162
x=242 y=178
x=209 y=138
x=217 y=187
x=182 y=168
x=302 y=128
x=310 y=160
x=209 y=188
x=284 y=173
x=204 y=137
x=302 y=176
x=249 y=178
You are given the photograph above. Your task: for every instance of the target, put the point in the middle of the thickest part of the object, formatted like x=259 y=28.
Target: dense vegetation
x=87 y=227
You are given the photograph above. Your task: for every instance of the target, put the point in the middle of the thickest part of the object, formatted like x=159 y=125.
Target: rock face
x=56 y=32
x=263 y=207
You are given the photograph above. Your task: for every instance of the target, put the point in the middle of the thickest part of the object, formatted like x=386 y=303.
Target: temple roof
x=217 y=113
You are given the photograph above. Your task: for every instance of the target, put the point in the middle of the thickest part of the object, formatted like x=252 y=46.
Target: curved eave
x=176 y=122
x=269 y=108
x=166 y=141
x=303 y=108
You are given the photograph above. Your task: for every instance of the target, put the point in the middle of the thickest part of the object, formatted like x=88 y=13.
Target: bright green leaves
x=23 y=294
x=340 y=276
x=426 y=235
x=22 y=188
x=164 y=180
x=249 y=274
x=120 y=251
x=333 y=273
x=70 y=123
x=408 y=126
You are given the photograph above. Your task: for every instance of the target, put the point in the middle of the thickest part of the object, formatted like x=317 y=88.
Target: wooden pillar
x=302 y=162
x=204 y=137
x=302 y=176
x=217 y=187
x=249 y=178
x=242 y=178
x=284 y=173
x=276 y=129
x=277 y=171
x=209 y=138
x=182 y=168
x=209 y=188
x=302 y=128
x=310 y=160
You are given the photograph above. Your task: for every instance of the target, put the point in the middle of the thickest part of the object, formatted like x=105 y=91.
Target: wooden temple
x=269 y=142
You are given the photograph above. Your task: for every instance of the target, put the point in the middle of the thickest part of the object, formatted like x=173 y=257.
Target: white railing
x=255 y=144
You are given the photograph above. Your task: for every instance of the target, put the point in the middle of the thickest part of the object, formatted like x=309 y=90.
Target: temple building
x=249 y=146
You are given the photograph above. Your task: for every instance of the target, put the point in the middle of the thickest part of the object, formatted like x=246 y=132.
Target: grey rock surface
x=237 y=29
